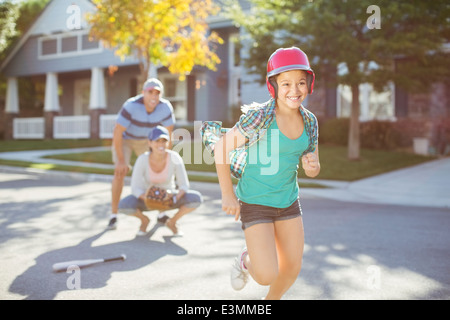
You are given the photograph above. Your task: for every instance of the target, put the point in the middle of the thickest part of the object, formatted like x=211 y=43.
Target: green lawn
x=22 y=145
x=333 y=159
x=336 y=166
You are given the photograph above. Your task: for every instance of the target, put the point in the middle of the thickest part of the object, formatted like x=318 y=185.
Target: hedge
x=385 y=135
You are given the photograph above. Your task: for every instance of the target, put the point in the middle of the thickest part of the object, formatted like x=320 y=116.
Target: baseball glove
x=158 y=199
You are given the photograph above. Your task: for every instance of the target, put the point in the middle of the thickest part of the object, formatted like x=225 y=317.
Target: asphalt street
x=353 y=250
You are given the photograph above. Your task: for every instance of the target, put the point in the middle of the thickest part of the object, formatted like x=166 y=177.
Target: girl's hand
x=311 y=165
x=231 y=206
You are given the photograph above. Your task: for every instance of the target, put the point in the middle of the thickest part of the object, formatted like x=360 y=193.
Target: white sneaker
x=239 y=275
x=112 y=225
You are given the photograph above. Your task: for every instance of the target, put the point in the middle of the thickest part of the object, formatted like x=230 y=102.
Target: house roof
x=52 y=19
x=57 y=19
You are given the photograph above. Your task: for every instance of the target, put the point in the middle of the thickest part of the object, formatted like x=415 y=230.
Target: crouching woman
x=163 y=168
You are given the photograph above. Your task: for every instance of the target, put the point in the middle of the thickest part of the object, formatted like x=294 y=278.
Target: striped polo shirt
x=138 y=122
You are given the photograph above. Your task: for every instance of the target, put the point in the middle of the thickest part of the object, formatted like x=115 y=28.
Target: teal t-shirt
x=270 y=176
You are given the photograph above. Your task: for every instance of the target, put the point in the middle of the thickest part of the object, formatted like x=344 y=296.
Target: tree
x=172 y=33
x=15 y=19
x=9 y=13
x=366 y=38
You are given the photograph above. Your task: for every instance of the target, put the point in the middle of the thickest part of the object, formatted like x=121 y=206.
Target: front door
x=82 y=92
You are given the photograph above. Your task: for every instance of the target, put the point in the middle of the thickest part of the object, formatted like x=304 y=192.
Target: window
x=234 y=71
x=373 y=105
x=49 y=47
x=176 y=92
x=67 y=44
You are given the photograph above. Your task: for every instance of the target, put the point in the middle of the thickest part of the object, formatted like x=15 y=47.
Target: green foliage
x=172 y=33
x=334 y=164
x=381 y=135
x=8 y=15
x=24 y=145
x=334 y=131
x=28 y=11
x=15 y=19
x=407 y=45
x=334 y=32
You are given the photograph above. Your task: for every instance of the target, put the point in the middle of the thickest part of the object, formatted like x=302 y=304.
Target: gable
x=62 y=16
x=59 y=16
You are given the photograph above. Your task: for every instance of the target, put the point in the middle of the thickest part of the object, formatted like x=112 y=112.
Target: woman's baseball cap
x=159 y=132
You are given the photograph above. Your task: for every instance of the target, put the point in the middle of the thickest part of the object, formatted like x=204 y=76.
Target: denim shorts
x=252 y=214
x=129 y=204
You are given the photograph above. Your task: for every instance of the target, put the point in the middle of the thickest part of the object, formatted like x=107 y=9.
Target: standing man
x=136 y=118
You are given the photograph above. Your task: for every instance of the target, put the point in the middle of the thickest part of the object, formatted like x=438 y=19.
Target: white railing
x=28 y=128
x=72 y=127
x=107 y=122
x=64 y=127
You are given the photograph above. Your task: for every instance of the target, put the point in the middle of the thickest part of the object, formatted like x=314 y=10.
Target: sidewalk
x=424 y=185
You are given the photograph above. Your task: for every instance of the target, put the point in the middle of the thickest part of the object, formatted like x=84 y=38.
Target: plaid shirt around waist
x=253 y=125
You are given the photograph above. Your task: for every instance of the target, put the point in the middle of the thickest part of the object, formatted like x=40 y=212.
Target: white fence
x=75 y=127
x=107 y=122
x=28 y=128
x=69 y=127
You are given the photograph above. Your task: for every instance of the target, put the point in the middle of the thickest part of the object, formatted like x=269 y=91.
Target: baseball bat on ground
x=62 y=266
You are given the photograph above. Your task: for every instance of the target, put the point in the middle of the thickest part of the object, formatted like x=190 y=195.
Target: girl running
x=265 y=146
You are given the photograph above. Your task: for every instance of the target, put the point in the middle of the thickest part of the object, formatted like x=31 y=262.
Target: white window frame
x=368 y=97
x=180 y=94
x=234 y=94
x=59 y=54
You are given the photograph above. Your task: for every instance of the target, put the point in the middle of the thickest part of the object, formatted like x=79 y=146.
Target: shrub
x=386 y=135
x=381 y=135
x=334 y=131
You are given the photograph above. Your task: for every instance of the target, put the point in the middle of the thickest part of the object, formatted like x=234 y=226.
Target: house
x=86 y=83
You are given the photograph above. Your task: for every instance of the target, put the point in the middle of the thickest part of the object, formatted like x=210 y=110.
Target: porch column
x=97 y=103
x=51 y=104
x=11 y=107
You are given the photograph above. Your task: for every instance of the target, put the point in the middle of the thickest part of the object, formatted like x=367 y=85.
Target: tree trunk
x=148 y=70
x=144 y=70
x=353 y=135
